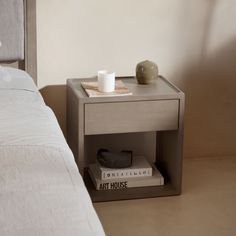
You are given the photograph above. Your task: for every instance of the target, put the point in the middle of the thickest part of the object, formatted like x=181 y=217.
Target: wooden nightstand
x=155 y=107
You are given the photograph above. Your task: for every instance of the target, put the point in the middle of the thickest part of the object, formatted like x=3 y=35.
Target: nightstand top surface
x=159 y=89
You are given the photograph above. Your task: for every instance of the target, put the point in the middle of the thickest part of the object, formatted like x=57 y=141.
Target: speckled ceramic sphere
x=146 y=72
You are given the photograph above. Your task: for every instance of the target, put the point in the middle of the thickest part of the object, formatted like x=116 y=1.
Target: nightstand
x=155 y=107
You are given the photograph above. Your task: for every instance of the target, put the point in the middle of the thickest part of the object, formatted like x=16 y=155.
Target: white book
x=140 y=168
x=114 y=184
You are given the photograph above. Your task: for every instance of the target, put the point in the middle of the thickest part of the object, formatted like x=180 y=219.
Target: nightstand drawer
x=124 y=117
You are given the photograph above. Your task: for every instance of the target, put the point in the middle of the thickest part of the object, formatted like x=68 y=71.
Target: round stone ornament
x=146 y=72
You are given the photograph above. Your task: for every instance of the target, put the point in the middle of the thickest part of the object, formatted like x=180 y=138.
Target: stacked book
x=140 y=174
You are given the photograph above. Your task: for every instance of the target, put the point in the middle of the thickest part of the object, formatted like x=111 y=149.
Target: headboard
x=18 y=34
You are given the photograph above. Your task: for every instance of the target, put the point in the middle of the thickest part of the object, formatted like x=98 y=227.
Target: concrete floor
x=207 y=205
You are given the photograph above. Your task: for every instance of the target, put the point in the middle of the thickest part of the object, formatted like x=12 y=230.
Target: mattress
x=41 y=190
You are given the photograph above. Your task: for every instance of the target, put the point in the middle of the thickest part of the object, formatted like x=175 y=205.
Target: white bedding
x=41 y=190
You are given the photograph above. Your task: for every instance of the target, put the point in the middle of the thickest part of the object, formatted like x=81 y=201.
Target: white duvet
x=41 y=190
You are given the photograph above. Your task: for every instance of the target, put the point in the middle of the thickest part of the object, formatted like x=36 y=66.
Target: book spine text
x=125 y=173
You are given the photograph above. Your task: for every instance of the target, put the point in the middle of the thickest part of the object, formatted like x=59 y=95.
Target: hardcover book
x=91 y=88
x=140 y=168
x=114 y=184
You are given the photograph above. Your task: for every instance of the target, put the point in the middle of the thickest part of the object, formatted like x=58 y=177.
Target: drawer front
x=125 y=117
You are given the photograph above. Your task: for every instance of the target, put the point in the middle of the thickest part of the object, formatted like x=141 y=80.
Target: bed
x=41 y=190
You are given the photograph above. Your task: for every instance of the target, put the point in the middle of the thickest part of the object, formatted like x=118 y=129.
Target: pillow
x=11 y=78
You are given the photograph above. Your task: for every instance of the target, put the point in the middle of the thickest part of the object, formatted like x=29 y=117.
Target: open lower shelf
x=130 y=193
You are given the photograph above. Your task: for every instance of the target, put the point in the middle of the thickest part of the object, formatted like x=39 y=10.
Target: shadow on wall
x=209 y=81
x=55 y=97
x=210 y=88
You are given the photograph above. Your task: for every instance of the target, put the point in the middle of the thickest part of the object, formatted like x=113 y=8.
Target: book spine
x=143 y=172
x=116 y=185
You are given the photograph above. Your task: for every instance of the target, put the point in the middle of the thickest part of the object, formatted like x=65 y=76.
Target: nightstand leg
x=81 y=163
x=169 y=157
x=169 y=151
x=81 y=146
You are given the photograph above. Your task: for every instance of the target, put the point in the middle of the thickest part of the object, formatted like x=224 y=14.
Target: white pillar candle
x=106 y=81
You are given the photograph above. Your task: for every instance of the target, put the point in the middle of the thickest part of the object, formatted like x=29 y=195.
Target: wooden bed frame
x=30 y=62
x=29 y=59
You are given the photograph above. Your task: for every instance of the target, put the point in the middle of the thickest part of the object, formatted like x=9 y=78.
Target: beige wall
x=193 y=42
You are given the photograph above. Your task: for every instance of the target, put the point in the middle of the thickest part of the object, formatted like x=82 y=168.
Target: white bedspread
x=41 y=191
